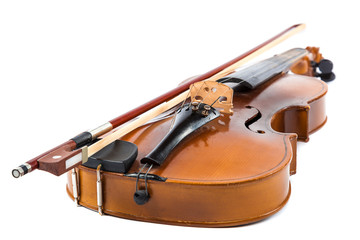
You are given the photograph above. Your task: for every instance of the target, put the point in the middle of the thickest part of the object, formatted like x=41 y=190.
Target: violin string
x=233 y=78
x=215 y=101
x=220 y=96
x=213 y=92
x=146 y=174
x=198 y=90
x=179 y=109
x=204 y=83
x=226 y=90
x=138 y=176
x=209 y=92
x=183 y=103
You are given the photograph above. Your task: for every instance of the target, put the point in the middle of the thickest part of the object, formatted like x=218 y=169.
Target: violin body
x=234 y=170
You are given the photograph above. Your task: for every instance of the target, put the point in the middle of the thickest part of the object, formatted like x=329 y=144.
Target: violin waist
x=234 y=170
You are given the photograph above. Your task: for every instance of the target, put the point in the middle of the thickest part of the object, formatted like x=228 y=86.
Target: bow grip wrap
x=186 y=121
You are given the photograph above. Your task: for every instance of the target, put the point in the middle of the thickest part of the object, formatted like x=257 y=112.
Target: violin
x=217 y=151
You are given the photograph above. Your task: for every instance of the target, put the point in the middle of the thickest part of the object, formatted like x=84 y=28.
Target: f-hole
x=254 y=119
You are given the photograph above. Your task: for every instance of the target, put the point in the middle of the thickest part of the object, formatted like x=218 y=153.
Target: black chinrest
x=115 y=157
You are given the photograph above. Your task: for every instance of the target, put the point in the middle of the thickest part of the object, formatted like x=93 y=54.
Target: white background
x=68 y=66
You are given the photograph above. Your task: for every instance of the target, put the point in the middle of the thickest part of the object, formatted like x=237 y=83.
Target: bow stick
x=73 y=152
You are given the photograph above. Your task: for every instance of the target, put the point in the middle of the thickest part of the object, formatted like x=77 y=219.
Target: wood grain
x=227 y=173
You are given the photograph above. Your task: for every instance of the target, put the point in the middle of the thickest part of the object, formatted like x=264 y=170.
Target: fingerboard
x=263 y=71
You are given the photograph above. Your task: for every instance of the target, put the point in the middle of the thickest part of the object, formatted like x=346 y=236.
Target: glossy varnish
x=232 y=171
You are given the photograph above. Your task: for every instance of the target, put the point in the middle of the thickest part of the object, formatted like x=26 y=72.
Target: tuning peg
x=326 y=77
x=325 y=66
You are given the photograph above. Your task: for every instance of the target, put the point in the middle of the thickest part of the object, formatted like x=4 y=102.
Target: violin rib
x=226 y=173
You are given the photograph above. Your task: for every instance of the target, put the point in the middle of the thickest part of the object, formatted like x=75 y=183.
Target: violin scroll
x=313 y=62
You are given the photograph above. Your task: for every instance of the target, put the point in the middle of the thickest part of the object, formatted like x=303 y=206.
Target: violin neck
x=259 y=73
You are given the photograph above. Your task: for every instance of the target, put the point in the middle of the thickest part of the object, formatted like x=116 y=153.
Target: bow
x=76 y=150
